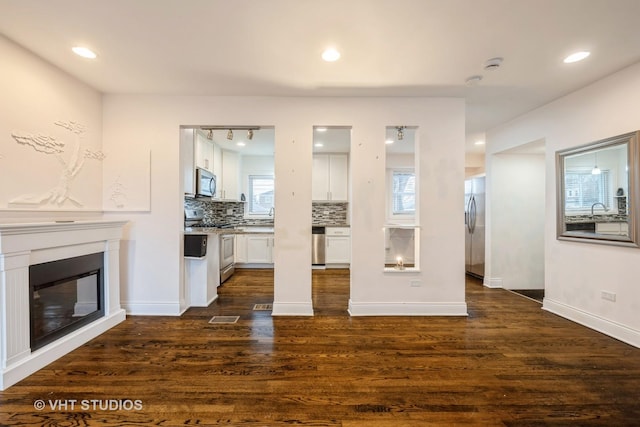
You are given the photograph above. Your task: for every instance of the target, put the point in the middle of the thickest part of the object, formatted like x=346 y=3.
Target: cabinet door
x=259 y=248
x=320 y=177
x=217 y=161
x=338 y=250
x=204 y=152
x=240 y=250
x=230 y=174
x=339 y=177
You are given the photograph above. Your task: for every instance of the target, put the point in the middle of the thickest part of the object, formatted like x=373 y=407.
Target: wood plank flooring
x=507 y=364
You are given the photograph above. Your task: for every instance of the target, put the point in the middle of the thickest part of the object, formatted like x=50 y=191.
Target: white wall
x=517 y=204
x=36 y=95
x=155 y=237
x=577 y=273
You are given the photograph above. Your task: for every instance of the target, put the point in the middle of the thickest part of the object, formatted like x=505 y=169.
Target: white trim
x=407 y=309
x=292 y=309
x=49 y=353
x=493 y=282
x=600 y=324
x=152 y=308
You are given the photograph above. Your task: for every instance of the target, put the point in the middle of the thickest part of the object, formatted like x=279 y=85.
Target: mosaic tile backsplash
x=233 y=213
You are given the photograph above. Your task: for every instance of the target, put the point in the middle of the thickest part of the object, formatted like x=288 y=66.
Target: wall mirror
x=401 y=233
x=598 y=191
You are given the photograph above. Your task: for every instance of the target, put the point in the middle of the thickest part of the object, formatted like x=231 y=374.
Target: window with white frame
x=403 y=192
x=583 y=189
x=261 y=195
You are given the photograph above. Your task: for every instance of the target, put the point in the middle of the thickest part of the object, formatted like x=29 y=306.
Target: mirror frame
x=633 y=193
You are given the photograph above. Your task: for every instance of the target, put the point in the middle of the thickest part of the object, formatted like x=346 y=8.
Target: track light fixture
x=250 y=134
x=210 y=134
x=400 y=132
x=230 y=135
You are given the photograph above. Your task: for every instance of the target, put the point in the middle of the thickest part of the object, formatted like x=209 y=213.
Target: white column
x=14 y=299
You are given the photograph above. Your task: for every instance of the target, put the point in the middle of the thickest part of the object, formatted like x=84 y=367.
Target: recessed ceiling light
x=321 y=129
x=473 y=80
x=330 y=55
x=479 y=143
x=319 y=144
x=389 y=141
x=493 y=63
x=85 y=52
x=575 y=57
x=241 y=144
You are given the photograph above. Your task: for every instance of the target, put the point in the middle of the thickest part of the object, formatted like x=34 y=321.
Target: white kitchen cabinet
x=203 y=152
x=612 y=228
x=259 y=248
x=228 y=185
x=330 y=180
x=240 y=249
x=217 y=161
x=337 y=245
x=203 y=275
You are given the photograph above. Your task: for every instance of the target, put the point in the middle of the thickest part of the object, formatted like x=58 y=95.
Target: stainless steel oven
x=226 y=257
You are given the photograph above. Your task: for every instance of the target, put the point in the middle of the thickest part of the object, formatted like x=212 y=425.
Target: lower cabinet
x=202 y=275
x=254 y=249
x=612 y=228
x=337 y=246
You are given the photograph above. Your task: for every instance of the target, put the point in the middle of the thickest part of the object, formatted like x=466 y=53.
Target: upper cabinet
x=330 y=177
x=204 y=154
x=228 y=180
x=330 y=174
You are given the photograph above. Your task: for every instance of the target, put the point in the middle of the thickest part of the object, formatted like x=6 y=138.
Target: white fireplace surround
x=25 y=244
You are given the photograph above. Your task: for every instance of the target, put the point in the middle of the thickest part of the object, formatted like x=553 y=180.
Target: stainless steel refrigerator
x=474 y=208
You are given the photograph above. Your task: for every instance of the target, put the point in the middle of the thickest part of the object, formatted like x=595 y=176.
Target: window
x=404 y=193
x=583 y=189
x=261 y=194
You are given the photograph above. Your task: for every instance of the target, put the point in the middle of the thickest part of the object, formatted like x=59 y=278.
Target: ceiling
x=388 y=47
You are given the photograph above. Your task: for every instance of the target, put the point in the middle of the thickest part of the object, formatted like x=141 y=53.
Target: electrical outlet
x=416 y=283
x=609 y=296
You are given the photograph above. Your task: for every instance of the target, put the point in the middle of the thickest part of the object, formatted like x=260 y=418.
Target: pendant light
x=596 y=170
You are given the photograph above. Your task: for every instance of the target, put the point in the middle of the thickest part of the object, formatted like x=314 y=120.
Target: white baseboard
x=292 y=309
x=152 y=308
x=600 y=324
x=407 y=309
x=493 y=282
x=51 y=352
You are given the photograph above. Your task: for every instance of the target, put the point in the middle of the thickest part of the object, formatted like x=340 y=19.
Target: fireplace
x=59 y=288
x=64 y=295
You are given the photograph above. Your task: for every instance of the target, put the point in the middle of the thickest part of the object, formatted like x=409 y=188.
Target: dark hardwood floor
x=507 y=363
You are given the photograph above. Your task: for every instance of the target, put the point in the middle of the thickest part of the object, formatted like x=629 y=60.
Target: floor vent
x=263 y=307
x=224 y=319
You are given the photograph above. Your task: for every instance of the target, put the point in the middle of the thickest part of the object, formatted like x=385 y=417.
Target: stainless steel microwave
x=205 y=183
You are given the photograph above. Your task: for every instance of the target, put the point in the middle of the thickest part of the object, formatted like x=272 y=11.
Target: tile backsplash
x=233 y=212
x=329 y=213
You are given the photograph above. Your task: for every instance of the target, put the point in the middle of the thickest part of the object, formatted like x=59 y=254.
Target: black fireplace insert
x=65 y=295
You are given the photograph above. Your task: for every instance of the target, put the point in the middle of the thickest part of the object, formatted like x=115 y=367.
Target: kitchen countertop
x=577 y=219
x=249 y=229
x=244 y=229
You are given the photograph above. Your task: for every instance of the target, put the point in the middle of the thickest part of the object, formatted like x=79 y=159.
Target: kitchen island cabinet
x=254 y=250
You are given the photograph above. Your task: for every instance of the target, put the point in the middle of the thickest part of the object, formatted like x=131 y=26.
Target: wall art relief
x=70 y=155
x=126 y=175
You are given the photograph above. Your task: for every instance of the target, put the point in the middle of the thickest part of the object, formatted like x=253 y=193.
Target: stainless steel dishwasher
x=317 y=245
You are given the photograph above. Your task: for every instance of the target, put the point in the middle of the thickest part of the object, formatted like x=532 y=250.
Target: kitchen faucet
x=272 y=211
x=598 y=203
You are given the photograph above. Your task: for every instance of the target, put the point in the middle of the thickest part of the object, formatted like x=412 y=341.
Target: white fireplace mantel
x=25 y=244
